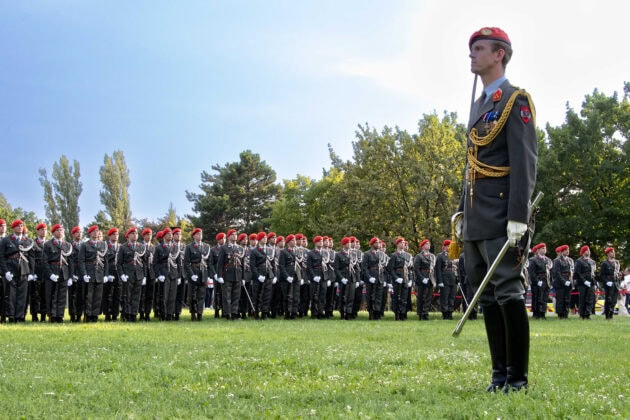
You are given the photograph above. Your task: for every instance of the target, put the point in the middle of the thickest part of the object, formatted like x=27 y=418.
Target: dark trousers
x=261 y=295
x=374 y=295
x=290 y=297
x=15 y=290
x=424 y=298
x=610 y=300
x=197 y=294
x=218 y=297
x=36 y=300
x=132 y=302
x=585 y=303
x=563 y=296
x=318 y=297
x=305 y=297
x=540 y=296
x=56 y=293
x=231 y=296
x=94 y=298
x=111 y=298
x=182 y=296
x=399 y=298
x=447 y=298
x=146 y=296
x=170 y=296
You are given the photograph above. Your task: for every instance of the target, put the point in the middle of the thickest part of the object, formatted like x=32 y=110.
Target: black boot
x=495 y=330
x=517 y=344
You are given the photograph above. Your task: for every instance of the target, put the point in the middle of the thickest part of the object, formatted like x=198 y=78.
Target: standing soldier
x=539 y=273
x=328 y=257
x=180 y=297
x=610 y=274
x=356 y=257
x=370 y=267
x=148 y=284
x=384 y=275
x=397 y=269
x=585 y=282
x=228 y=275
x=562 y=275
x=246 y=291
x=289 y=283
x=261 y=262
x=93 y=270
x=344 y=277
x=198 y=269
x=160 y=270
x=174 y=280
x=302 y=275
x=57 y=273
x=424 y=267
x=315 y=272
x=445 y=277
x=76 y=291
x=131 y=266
x=111 y=288
x=36 y=291
x=277 y=297
x=17 y=268
x=216 y=286
x=3 y=233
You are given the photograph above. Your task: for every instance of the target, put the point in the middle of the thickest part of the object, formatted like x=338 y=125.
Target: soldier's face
x=113 y=237
x=253 y=242
x=263 y=241
x=177 y=236
x=58 y=233
x=77 y=236
x=611 y=254
x=542 y=251
x=40 y=232
x=426 y=247
x=3 y=229
x=168 y=236
x=198 y=236
x=133 y=236
x=482 y=58
x=147 y=237
x=291 y=243
x=94 y=235
x=18 y=229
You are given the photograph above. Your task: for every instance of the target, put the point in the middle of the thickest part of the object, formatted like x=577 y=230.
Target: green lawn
x=306 y=368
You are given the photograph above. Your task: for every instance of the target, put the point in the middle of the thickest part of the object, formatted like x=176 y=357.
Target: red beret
x=3 y=222
x=374 y=239
x=146 y=231
x=176 y=230
x=399 y=240
x=583 y=250
x=345 y=240
x=563 y=248
x=290 y=238
x=195 y=231
x=325 y=238
x=16 y=223
x=130 y=230
x=112 y=231
x=261 y=235
x=537 y=247
x=38 y=227
x=166 y=230
x=279 y=239
x=424 y=241
x=298 y=236
x=75 y=230
x=318 y=239
x=231 y=232
x=159 y=235
x=353 y=239
x=607 y=250
x=253 y=236
x=558 y=250
x=241 y=237
x=55 y=227
x=220 y=236
x=446 y=242
x=271 y=235
x=493 y=34
x=92 y=229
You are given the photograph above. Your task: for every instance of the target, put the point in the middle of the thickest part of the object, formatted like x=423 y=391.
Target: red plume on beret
x=494 y=34
x=583 y=250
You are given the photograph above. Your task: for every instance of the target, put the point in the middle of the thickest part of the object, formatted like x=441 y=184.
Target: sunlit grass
x=305 y=368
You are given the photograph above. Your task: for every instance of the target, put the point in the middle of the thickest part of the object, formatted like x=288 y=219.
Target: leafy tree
x=239 y=195
x=584 y=170
x=9 y=214
x=61 y=195
x=115 y=193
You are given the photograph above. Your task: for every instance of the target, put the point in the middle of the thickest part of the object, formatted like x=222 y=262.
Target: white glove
x=161 y=279
x=425 y=281
x=336 y=284
x=587 y=283
x=261 y=279
x=301 y=282
x=243 y=282
x=144 y=281
x=515 y=231
x=69 y=282
x=316 y=279
x=194 y=277
x=539 y=283
x=215 y=276
x=399 y=280
x=328 y=283
x=344 y=281
x=124 y=278
x=220 y=280
x=54 y=278
x=290 y=279
x=179 y=281
x=8 y=275
x=391 y=288
x=86 y=278
x=210 y=283
x=110 y=278
x=74 y=276
x=30 y=277
x=409 y=283
x=609 y=283
x=372 y=280
x=440 y=284
x=34 y=276
x=275 y=280
x=385 y=285
x=567 y=283
x=356 y=284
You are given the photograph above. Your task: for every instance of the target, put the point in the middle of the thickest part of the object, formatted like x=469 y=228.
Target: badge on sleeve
x=526 y=114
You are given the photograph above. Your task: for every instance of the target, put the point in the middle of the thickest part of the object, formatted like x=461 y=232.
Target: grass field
x=306 y=369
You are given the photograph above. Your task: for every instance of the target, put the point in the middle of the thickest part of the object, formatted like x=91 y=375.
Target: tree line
x=395 y=184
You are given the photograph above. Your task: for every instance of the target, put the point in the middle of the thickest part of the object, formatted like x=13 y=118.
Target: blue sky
x=180 y=86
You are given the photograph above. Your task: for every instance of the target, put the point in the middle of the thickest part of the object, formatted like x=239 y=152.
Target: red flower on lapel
x=496 y=96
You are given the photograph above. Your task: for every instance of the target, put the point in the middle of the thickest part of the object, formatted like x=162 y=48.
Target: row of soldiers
x=564 y=275
x=261 y=275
